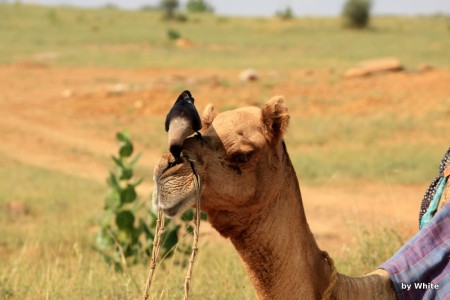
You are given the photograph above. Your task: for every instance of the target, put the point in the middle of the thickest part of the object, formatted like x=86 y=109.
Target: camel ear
x=275 y=117
x=209 y=113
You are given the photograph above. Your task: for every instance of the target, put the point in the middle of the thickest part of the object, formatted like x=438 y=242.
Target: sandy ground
x=65 y=119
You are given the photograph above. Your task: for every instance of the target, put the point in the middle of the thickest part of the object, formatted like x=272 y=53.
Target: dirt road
x=65 y=120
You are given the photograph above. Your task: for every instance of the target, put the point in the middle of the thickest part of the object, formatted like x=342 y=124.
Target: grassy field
x=388 y=131
x=46 y=249
x=108 y=37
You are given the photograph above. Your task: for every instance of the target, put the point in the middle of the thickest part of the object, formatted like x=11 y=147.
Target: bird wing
x=168 y=118
x=196 y=121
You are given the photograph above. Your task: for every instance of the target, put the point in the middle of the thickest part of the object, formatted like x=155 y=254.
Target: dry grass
x=389 y=129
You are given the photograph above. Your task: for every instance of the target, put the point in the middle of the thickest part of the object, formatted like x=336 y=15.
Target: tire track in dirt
x=62 y=149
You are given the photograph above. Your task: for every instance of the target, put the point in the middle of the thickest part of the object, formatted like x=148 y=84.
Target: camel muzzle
x=176 y=185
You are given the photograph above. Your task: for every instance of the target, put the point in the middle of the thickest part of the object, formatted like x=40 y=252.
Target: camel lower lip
x=174 y=210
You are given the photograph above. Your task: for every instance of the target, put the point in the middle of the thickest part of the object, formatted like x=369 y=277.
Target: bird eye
x=241 y=157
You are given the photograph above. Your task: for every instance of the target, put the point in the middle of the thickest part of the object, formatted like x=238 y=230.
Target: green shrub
x=356 y=13
x=285 y=14
x=181 y=18
x=173 y=34
x=169 y=7
x=199 y=6
x=124 y=238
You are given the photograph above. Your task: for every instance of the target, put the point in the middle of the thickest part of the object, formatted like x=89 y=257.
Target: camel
x=251 y=194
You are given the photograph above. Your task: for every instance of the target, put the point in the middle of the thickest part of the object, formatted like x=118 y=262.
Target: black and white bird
x=182 y=121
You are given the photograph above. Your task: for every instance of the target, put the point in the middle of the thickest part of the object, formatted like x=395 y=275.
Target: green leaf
x=126 y=149
x=125 y=219
x=124 y=236
x=145 y=229
x=188 y=215
x=113 y=200
x=103 y=240
x=137 y=182
x=169 y=240
x=203 y=216
x=135 y=159
x=128 y=194
x=125 y=173
x=105 y=219
x=113 y=182
x=118 y=161
x=189 y=229
x=123 y=136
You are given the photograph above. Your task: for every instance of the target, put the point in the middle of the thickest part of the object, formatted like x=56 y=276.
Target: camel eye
x=241 y=157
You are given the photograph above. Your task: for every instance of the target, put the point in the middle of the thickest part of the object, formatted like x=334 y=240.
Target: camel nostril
x=177 y=161
x=172 y=162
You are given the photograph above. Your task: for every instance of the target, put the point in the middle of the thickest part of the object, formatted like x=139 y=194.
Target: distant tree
x=199 y=6
x=285 y=14
x=110 y=5
x=356 y=13
x=169 y=7
x=148 y=7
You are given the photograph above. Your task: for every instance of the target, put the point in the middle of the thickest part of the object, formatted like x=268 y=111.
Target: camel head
x=239 y=162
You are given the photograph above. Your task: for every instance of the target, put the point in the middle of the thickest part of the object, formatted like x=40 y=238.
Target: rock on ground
x=248 y=75
x=373 y=66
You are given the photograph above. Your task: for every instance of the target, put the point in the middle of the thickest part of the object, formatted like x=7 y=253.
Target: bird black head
x=185 y=96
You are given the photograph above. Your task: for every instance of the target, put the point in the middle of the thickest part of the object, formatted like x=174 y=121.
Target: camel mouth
x=180 y=207
x=176 y=205
x=175 y=189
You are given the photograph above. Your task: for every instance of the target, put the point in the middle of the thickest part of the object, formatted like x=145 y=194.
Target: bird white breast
x=179 y=130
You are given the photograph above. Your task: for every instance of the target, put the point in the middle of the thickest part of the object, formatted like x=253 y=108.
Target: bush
x=173 y=34
x=181 y=18
x=169 y=7
x=199 y=6
x=356 y=13
x=124 y=238
x=285 y=14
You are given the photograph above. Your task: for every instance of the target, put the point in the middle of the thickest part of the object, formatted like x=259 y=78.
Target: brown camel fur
x=251 y=194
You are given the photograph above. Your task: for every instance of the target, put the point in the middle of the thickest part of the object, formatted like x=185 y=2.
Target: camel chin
x=174 y=190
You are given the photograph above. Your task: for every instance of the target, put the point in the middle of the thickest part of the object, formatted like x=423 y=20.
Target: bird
x=182 y=121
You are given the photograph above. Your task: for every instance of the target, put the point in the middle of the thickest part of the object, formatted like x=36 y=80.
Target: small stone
x=118 y=89
x=373 y=66
x=138 y=104
x=184 y=43
x=356 y=72
x=381 y=65
x=67 y=93
x=249 y=75
x=425 y=68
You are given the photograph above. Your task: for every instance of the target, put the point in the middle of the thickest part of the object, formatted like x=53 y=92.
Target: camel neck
x=283 y=260
x=271 y=246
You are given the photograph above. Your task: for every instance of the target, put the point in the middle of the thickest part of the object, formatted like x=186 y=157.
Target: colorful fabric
x=431 y=191
x=421 y=268
x=426 y=218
